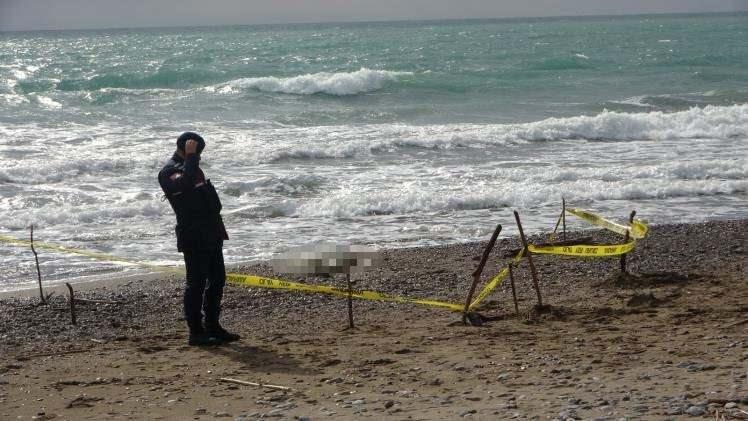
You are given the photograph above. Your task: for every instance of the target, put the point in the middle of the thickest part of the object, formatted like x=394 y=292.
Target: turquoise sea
x=390 y=134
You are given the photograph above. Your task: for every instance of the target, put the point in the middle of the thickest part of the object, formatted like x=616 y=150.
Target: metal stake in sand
x=38 y=272
x=477 y=273
x=626 y=240
x=533 y=272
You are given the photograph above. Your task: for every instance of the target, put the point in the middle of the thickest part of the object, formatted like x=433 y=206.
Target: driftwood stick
x=244 y=383
x=38 y=271
x=87 y=301
x=738 y=323
x=479 y=270
x=514 y=291
x=72 y=302
x=626 y=240
x=533 y=272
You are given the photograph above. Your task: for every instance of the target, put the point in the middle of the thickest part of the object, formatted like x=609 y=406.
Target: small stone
x=389 y=404
x=222 y=414
x=730 y=405
x=675 y=410
x=468 y=412
x=696 y=410
x=274 y=413
x=568 y=414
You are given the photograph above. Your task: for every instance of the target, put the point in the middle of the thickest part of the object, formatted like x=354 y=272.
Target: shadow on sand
x=259 y=359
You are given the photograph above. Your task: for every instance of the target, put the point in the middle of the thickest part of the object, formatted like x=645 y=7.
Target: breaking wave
x=335 y=142
x=340 y=84
x=417 y=199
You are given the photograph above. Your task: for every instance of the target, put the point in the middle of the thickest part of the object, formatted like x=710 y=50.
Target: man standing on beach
x=200 y=235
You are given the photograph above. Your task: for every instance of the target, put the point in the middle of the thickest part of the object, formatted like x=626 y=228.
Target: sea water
x=386 y=134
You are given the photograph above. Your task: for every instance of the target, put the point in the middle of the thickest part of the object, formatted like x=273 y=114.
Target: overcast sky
x=81 y=14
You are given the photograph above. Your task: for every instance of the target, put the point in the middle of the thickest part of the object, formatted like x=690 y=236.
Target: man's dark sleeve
x=185 y=182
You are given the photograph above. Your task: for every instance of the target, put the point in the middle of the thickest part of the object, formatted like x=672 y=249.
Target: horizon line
x=344 y=22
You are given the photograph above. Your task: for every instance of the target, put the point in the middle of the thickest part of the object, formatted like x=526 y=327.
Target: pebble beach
x=668 y=340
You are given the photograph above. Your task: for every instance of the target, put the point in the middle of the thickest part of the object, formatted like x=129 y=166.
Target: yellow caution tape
x=247 y=280
x=581 y=250
x=495 y=282
x=637 y=231
x=258 y=281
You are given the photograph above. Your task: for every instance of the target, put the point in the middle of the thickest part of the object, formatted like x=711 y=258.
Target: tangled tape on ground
x=636 y=231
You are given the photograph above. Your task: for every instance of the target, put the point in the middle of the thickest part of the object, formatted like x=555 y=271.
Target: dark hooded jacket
x=195 y=203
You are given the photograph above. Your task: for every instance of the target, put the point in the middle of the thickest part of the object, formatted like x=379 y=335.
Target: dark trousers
x=206 y=276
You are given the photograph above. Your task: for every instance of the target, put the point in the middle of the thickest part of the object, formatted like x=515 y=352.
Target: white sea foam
x=637 y=101
x=708 y=122
x=330 y=142
x=47 y=102
x=68 y=170
x=344 y=83
x=417 y=198
x=110 y=212
x=19 y=74
x=13 y=99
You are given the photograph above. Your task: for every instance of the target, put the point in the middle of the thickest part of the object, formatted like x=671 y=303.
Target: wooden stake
x=533 y=272
x=563 y=215
x=479 y=270
x=626 y=240
x=72 y=302
x=38 y=272
x=514 y=291
x=350 y=301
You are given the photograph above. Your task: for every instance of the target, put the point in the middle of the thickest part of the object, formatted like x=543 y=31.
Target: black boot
x=203 y=339
x=198 y=337
x=219 y=333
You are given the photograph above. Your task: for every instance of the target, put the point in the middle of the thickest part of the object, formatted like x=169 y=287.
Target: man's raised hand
x=190 y=147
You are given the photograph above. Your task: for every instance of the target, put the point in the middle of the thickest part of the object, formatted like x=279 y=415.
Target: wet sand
x=669 y=341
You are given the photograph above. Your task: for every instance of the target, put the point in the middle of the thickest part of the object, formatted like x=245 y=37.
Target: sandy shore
x=668 y=342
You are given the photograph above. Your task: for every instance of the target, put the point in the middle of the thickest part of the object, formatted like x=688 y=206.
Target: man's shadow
x=258 y=359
